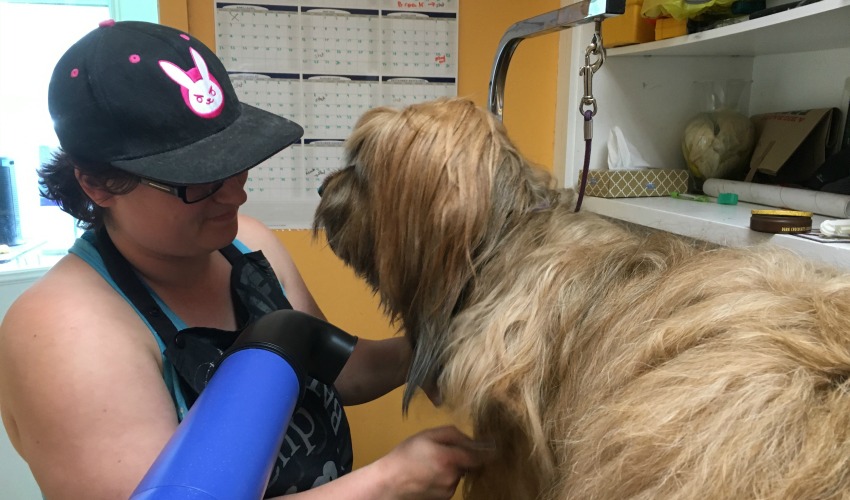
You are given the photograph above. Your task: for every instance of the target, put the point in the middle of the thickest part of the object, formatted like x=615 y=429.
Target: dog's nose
x=321 y=189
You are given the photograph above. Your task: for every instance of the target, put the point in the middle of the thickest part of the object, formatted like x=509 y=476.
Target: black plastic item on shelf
x=835 y=167
x=845 y=137
x=10 y=216
x=747 y=7
x=841 y=186
x=780 y=8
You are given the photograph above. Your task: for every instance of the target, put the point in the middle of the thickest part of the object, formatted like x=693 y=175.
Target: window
x=33 y=36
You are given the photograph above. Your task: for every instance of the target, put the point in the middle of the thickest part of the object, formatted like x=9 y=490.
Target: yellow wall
x=530 y=90
x=530 y=117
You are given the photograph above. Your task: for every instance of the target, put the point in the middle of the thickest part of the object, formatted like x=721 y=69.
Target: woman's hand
x=430 y=464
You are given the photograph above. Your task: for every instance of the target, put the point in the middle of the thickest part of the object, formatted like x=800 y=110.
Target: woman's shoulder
x=72 y=302
x=70 y=283
x=77 y=373
x=255 y=234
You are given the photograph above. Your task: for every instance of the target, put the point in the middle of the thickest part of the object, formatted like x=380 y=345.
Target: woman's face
x=163 y=224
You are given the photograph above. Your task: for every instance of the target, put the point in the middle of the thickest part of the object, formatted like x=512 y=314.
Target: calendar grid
x=323 y=63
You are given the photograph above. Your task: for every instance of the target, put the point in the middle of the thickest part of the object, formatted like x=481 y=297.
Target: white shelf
x=721 y=224
x=818 y=26
x=796 y=59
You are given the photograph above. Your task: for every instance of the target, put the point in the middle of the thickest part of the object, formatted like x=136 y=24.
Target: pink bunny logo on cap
x=201 y=91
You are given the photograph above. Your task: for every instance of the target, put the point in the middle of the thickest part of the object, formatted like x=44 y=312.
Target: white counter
x=721 y=224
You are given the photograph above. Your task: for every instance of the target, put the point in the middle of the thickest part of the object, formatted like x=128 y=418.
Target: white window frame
x=39 y=260
x=120 y=10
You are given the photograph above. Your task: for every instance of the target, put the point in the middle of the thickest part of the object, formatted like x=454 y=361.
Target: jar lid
x=783 y=213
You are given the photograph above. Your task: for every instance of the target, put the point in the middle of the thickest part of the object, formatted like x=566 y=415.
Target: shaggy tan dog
x=605 y=362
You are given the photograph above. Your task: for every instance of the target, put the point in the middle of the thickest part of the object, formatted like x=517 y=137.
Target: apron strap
x=129 y=283
x=194 y=351
x=254 y=283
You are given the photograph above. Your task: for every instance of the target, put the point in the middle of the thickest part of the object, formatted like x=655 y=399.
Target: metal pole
x=566 y=17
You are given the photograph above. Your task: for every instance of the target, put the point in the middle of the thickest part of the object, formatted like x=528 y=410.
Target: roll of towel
x=829 y=204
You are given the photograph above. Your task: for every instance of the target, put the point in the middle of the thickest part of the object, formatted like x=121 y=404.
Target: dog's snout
x=331 y=176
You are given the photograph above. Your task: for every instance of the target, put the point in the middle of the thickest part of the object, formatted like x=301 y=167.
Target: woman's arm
x=376 y=366
x=428 y=465
x=81 y=388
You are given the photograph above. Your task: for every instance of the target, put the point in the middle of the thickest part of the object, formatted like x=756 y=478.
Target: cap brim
x=251 y=139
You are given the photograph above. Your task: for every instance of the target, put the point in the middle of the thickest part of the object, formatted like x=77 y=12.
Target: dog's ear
x=428 y=174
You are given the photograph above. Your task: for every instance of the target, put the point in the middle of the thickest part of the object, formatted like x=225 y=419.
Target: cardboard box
x=636 y=183
x=628 y=28
x=790 y=146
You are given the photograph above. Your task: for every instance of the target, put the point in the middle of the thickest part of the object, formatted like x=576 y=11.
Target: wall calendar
x=322 y=63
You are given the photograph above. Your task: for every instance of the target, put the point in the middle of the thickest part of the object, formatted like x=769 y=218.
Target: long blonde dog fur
x=604 y=362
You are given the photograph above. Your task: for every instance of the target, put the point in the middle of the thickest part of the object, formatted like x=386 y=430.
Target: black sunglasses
x=191 y=193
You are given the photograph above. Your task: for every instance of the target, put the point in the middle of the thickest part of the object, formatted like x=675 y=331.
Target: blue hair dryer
x=226 y=446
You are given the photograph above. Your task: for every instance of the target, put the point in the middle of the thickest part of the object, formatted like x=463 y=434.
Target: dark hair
x=57 y=182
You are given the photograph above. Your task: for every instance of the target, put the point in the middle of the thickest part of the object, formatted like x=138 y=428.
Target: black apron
x=317 y=445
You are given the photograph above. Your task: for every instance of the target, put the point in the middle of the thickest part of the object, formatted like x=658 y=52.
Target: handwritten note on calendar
x=323 y=63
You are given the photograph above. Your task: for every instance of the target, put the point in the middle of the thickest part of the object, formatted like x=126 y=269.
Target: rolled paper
x=829 y=204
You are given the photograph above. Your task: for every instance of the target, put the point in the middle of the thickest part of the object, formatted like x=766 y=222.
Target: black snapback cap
x=156 y=102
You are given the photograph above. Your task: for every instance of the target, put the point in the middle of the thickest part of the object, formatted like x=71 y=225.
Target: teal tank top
x=317 y=446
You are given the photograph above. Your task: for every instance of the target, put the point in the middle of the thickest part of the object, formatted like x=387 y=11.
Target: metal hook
x=595 y=48
x=588 y=107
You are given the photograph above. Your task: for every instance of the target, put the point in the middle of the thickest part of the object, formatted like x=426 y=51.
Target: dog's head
x=428 y=193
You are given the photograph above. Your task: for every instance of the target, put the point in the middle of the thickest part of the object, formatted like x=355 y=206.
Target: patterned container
x=636 y=183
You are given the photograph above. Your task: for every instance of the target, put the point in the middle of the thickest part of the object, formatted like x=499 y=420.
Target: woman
x=154 y=159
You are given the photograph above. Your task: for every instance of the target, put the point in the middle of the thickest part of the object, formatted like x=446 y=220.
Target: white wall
x=16 y=481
